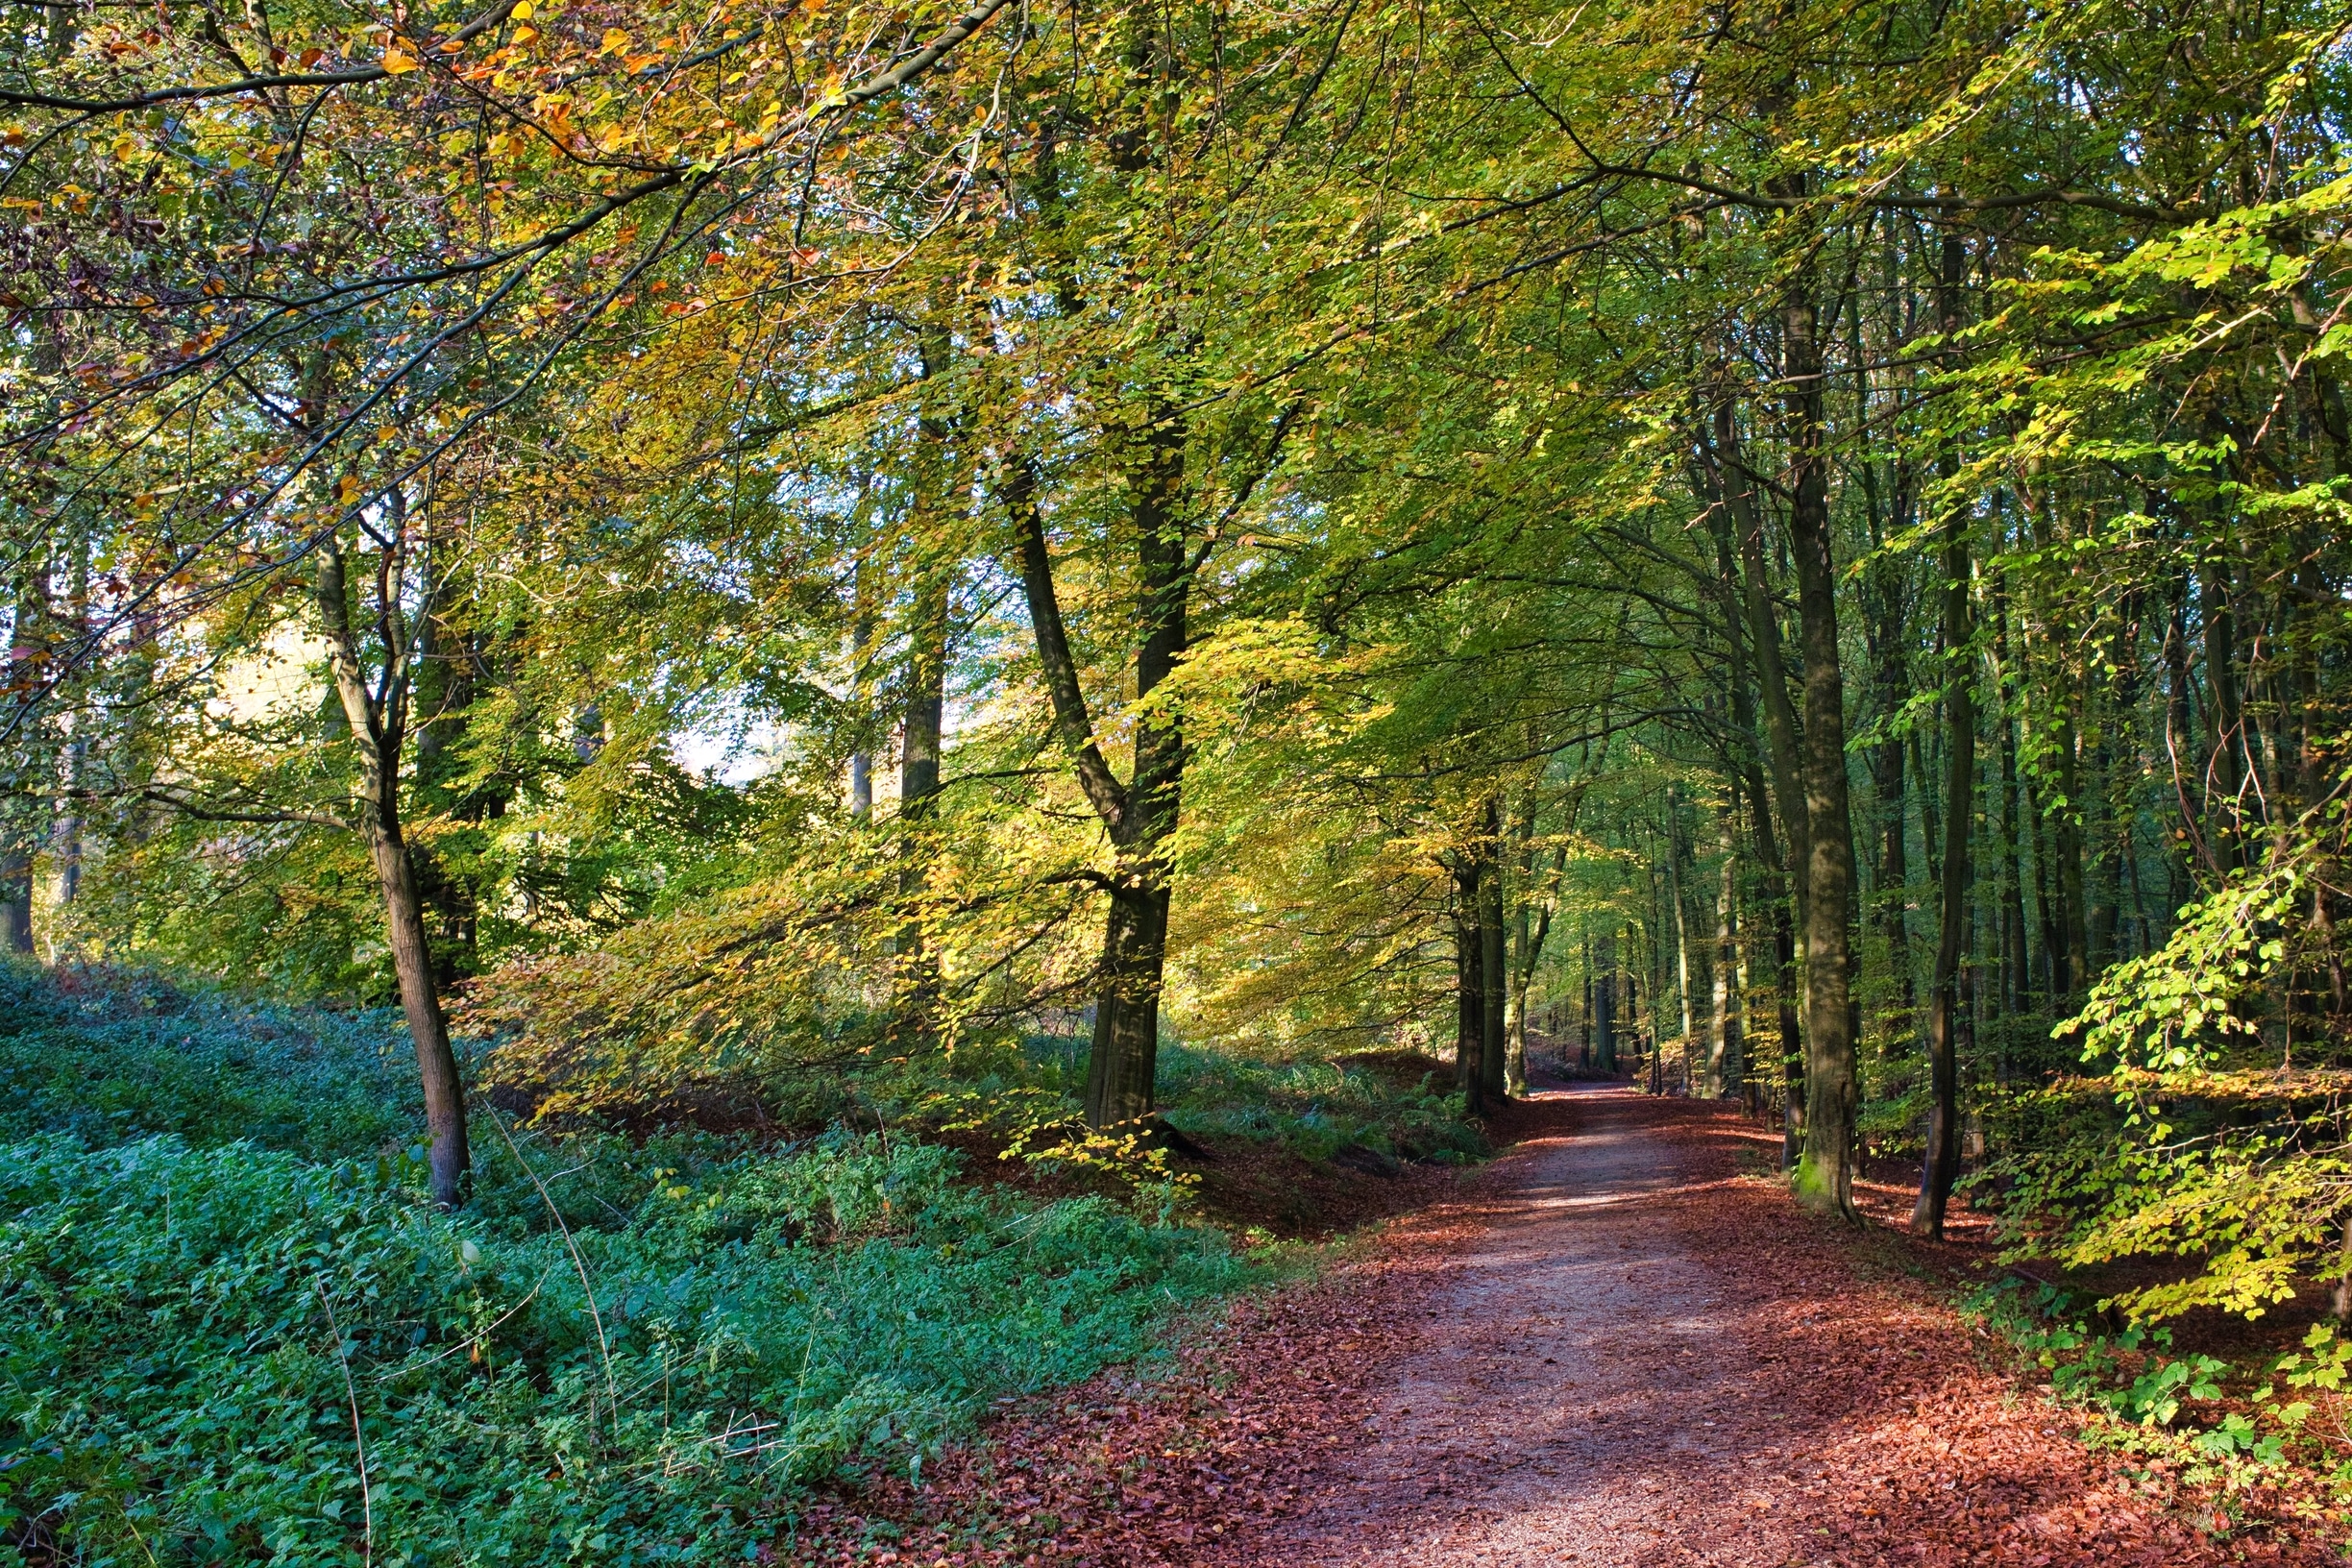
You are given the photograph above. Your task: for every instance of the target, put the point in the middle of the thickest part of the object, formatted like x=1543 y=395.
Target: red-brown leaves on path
x=1618 y=1344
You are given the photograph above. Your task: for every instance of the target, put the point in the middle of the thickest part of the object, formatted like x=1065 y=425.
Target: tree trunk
x=1942 y=1164
x=1723 y=1071
x=1744 y=584
x=1782 y=748
x=1126 y=1049
x=862 y=629
x=376 y=730
x=1517 y=964
x=1823 y=1177
x=1469 y=983
x=1675 y=852
x=1140 y=814
x=1604 y=1004
x=917 y=975
x=1493 y=1084
x=19 y=832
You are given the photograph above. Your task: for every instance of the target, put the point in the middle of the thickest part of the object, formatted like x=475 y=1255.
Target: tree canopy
x=1800 y=548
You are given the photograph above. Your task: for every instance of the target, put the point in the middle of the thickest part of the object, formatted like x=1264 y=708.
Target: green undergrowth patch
x=1316 y=1108
x=107 y=1055
x=2273 y=1426
x=225 y=1298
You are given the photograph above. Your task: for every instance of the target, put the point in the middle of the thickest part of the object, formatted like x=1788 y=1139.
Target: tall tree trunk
x=1604 y=1004
x=23 y=763
x=1134 y=945
x=1782 y=880
x=1532 y=924
x=1943 y=1156
x=1141 y=814
x=1469 y=981
x=74 y=761
x=1822 y=1180
x=1493 y=1079
x=1725 y=1069
x=863 y=571
x=2015 y=960
x=922 y=723
x=919 y=782
x=1783 y=751
x=378 y=726
x=1676 y=851
x=2226 y=722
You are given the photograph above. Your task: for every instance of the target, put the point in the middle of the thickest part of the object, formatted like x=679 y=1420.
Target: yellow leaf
x=395 y=62
x=615 y=41
x=521 y=12
x=525 y=35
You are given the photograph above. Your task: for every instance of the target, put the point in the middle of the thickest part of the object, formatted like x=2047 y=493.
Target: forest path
x=1569 y=1363
x=1619 y=1343
x=1647 y=1358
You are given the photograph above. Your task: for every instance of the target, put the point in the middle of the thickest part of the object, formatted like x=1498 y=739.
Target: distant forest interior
x=737 y=734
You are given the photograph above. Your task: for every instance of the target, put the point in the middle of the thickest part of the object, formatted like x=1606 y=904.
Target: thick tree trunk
x=1119 y=1071
x=1824 y=1176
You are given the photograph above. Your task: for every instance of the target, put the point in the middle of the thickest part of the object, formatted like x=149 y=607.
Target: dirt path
x=1618 y=1344
x=1572 y=1368
x=1637 y=1363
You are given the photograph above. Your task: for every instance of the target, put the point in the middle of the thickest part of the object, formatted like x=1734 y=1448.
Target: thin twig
x=612 y=1389
x=351 y=1389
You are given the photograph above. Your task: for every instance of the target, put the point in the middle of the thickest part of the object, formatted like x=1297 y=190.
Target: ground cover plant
x=222 y=1310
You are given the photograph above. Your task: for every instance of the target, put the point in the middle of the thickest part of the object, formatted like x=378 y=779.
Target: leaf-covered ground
x=1618 y=1344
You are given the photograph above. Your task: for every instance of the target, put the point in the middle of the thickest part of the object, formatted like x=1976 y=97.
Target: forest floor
x=1618 y=1344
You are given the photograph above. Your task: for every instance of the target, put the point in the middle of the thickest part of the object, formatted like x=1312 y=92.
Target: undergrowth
x=2276 y=1426
x=225 y=1299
